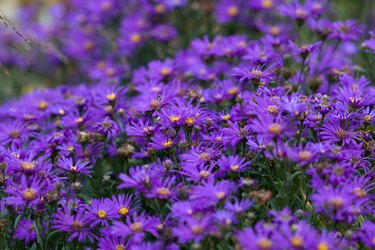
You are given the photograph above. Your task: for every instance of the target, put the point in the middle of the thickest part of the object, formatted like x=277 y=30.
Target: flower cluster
x=254 y=144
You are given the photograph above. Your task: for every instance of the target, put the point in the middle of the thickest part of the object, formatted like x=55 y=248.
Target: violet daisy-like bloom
x=125 y=205
x=136 y=226
x=337 y=203
x=305 y=50
x=194 y=229
x=211 y=193
x=367 y=234
x=107 y=127
x=24 y=193
x=113 y=242
x=14 y=133
x=235 y=133
x=102 y=211
x=238 y=206
x=296 y=11
x=79 y=167
x=163 y=189
x=139 y=177
x=197 y=172
x=232 y=163
x=346 y=31
x=26 y=231
x=270 y=127
x=333 y=132
x=258 y=238
x=257 y=75
x=199 y=155
x=227 y=10
x=77 y=224
x=161 y=142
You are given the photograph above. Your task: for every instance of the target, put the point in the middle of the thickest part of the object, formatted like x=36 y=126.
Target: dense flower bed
x=263 y=143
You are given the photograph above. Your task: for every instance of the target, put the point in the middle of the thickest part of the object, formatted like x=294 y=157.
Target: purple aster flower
x=107 y=127
x=194 y=229
x=197 y=172
x=164 y=32
x=232 y=163
x=211 y=193
x=109 y=242
x=235 y=133
x=346 y=31
x=257 y=75
x=366 y=234
x=258 y=239
x=80 y=167
x=136 y=226
x=296 y=11
x=26 y=231
x=125 y=205
x=333 y=132
x=227 y=10
x=14 y=133
x=102 y=211
x=305 y=50
x=25 y=193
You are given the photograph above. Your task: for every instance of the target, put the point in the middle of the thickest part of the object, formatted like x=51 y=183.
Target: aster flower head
x=258 y=75
x=107 y=127
x=77 y=224
x=79 y=167
x=25 y=193
x=232 y=163
x=102 y=211
x=26 y=231
x=346 y=31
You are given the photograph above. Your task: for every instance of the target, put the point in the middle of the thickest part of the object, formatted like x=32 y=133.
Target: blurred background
x=45 y=43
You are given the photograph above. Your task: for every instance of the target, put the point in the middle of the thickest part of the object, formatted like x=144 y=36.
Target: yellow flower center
x=28 y=165
x=301 y=13
x=77 y=225
x=136 y=38
x=137 y=227
x=111 y=97
x=233 y=91
x=163 y=191
x=43 y=105
x=233 y=11
x=220 y=195
x=267 y=4
x=274 y=129
x=225 y=117
x=367 y=118
x=160 y=8
x=264 y=244
x=296 y=241
x=61 y=112
x=102 y=214
x=120 y=247
x=29 y=194
x=234 y=168
x=257 y=73
x=204 y=174
x=337 y=202
x=275 y=31
x=165 y=71
x=205 y=156
x=174 y=118
x=123 y=211
x=197 y=229
x=190 y=121
x=79 y=120
x=73 y=168
x=14 y=134
x=323 y=246
x=359 y=192
x=304 y=155
x=88 y=45
x=106 y=6
x=70 y=148
x=272 y=109
x=168 y=143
